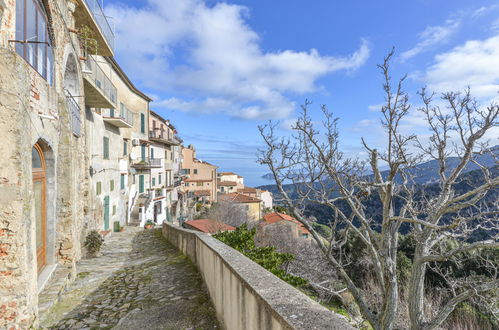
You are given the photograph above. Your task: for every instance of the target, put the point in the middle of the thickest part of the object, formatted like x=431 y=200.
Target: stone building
x=112 y=112
x=44 y=171
x=163 y=139
x=200 y=177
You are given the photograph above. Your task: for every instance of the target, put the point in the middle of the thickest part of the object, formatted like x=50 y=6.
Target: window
x=122 y=110
x=142 y=123
x=111 y=185
x=105 y=144
x=159 y=179
x=186 y=171
x=122 y=181
x=98 y=188
x=31 y=27
x=114 y=209
x=153 y=181
x=152 y=152
x=199 y=184
x=195 y=171
x=125 y=147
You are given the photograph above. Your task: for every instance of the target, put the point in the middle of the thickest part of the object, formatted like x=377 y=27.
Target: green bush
x=242 y=239
x=93 y=242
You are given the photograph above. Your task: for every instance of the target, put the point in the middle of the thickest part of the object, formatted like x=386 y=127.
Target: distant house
x=277 y=217
x=251 y=205
x=231 y=177
x=225 y=187
x=200 y=176
x=264 y=195
x=208 y=226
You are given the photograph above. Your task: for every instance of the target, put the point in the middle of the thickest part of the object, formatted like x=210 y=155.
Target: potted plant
x=149 y=224
x=122 y=228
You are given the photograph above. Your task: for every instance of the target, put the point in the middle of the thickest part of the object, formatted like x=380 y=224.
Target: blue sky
x=219 y=69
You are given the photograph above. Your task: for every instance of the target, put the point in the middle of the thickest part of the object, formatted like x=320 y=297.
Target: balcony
x=122 y=118
x=146 y=163
x=74 y=111
x=162 y=137
x=89 y=13
x=99 y=90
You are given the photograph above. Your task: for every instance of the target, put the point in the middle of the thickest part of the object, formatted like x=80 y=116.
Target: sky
x=218 y=69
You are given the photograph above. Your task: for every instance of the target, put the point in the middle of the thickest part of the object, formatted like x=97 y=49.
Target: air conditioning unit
x=135 y=142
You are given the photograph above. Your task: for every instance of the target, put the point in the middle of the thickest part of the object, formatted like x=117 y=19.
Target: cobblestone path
x=139 y=282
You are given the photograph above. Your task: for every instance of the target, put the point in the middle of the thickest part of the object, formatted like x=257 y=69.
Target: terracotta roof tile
x=227 y=183
x=238 y=198
x=276 y=217
x=209 y=226
x=202 y=193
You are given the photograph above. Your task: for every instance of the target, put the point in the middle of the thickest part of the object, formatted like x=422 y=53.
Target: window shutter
x=105 y=142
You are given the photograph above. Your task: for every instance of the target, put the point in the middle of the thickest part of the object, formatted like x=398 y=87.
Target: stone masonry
x=139 y=282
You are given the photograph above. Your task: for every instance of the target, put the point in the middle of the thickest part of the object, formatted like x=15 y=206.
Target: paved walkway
x=139 y=282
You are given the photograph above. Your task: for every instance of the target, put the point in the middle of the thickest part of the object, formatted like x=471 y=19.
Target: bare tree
x=322 y=175
x=231 y=213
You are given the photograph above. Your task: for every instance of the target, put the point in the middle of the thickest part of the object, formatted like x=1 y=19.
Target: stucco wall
x=245 y=295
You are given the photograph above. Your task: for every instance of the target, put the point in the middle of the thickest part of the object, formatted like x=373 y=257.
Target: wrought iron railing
x=74 y=112
x=102 y=21
x=163 y=136
x=123 y=114
x=100 y=79
x=146 y=162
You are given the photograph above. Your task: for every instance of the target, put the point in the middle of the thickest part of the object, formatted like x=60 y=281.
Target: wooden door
x=106 y=213
x=40 y=194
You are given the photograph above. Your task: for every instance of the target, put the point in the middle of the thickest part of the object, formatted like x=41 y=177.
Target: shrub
x=93 y=242
x=242 y=239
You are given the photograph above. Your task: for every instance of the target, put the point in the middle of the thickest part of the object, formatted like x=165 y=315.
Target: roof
x=227 y=183
x=247 y=190
x=195 y=160
x=277 y=217
x=125 y=78
x=240 y=177
x=238 y=198
x=226 y=173
x=198 y=180
x=202 y=193
x=209 y=226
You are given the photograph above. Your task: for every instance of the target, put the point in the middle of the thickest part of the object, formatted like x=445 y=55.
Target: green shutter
x=106 y=212
x=111 y=185
x=125 y=151
x=141 y=183
x=111 y=112
x=105 y=142
x=142 y=123
x=153 y=181
x=159 y=179
x=98 y=188
x=143 y=152
x=122 y=181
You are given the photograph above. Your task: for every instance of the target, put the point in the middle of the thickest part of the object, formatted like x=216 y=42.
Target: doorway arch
x=39 y=174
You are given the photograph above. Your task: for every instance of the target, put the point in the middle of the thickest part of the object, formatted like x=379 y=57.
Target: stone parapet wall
x=245 y=295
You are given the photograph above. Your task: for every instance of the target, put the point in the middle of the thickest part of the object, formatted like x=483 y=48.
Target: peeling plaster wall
x=33 y=111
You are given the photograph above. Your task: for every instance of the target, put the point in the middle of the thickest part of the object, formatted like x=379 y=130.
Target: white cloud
x=214 y=58
x=375 y=107
x=431 y=36
x=474 y=64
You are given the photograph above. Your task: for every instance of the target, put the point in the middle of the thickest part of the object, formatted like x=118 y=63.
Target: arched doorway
x=39 y=172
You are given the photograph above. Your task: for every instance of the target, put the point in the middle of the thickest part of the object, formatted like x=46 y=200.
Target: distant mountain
x=425 y=173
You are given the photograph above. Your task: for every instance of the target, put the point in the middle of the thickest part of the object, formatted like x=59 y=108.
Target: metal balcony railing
x=123 y=114
x=74 y=112
x=100 y=79
x=161 y=135
x=146 y=162
x=101 y=20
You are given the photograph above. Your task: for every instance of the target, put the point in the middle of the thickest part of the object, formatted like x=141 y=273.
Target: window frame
x=47 y=70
